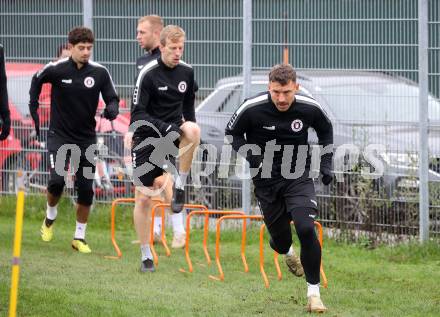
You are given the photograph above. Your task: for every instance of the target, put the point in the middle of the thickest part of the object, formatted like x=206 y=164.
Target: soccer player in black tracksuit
x=274 y=122
x=76 y=86
x=162 y=112
x=148 y=36
x=5 y=116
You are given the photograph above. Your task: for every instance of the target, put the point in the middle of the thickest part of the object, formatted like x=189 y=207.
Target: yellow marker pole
x=17 y=247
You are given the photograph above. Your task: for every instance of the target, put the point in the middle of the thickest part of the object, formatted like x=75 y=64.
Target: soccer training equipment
x=178 y=200
x=294 y=264
x=46 y=232
x=147 y=266
x=315 y=305
x=81 y=246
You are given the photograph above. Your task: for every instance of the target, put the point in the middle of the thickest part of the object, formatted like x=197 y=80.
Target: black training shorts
x=61 y=155
x=144 y=170
x=279 y=200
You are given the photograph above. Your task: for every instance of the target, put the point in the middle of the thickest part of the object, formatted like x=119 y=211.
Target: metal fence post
x=88 y=13
x=247 y=68
x=423 y=123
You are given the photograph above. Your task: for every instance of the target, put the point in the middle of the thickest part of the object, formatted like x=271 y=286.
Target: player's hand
x=111 y=111
x=255 y=161
x=5 y=127
x=327 y=178
x=128 y=140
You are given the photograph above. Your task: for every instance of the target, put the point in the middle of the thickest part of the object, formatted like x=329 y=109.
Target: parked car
x=21 y=150
x=365 y=108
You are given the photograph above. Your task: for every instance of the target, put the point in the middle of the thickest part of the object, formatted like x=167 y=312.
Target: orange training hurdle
x=163 y=238
x=205 y=233
x=221 y=276
x=113 y=226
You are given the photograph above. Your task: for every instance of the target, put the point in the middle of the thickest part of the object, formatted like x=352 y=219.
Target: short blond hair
x=155 y=21
x=171 y=32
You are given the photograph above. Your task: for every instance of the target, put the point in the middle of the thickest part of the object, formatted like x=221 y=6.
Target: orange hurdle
x=221 y=276
x=163 y=238
x=277 y=265
x=205 y=233
x=113 y=226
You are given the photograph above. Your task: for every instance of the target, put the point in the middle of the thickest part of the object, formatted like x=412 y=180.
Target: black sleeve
x=324 y=131
x=109 y=93
x=188 y=103
x=237 y=127
x=140 y=103
x=4 y=107
x=41 y=77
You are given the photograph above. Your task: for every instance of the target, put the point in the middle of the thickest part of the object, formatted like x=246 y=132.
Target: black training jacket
x=74 y=98
x=163 y=96
x=146 y=58
x=258 y=121
x=4 y=107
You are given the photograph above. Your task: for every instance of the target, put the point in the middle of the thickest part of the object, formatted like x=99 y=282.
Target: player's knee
x=56 y=186
x=305 y=231
x=142 y=199
x=85 y=196
x=191 y=131
x=281 y=242
x=159 y=182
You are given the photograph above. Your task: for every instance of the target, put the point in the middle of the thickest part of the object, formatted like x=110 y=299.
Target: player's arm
x=42 y=76
x=5 y=115
x=235 y=132
x=324 y=131
x=189 y=113
x=110 y=97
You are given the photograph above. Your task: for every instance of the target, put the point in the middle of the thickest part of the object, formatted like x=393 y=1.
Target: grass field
x=55 y=281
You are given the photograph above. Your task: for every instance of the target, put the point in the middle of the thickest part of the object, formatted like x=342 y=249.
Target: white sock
x=80 y=232
x=313 y=289
x=157 y=225
x=290 y=252
x=51 y=212
x=146 y=252
x=177 y=221
x=181 y=180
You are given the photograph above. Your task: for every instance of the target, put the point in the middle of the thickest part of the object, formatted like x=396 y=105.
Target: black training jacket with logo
x=74 y=98
x=163 y=97
x=258 y=121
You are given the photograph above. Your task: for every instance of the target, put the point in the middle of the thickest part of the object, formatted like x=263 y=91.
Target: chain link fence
x=357 y=56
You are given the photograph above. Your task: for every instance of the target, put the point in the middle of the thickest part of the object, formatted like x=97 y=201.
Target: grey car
x=366 y=108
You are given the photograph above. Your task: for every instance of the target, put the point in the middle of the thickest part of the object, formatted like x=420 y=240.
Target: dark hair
x=62 y=47
x=282 y=73
x=81 y=34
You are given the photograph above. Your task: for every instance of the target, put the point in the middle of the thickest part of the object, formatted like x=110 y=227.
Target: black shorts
x=281 y=199
x=83 y=162
x=144 y=170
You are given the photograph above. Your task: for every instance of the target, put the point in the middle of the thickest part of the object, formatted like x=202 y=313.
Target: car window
x=376 y=102
x=234 y=96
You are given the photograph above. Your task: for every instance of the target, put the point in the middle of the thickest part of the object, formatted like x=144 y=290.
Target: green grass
x=55 y=281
